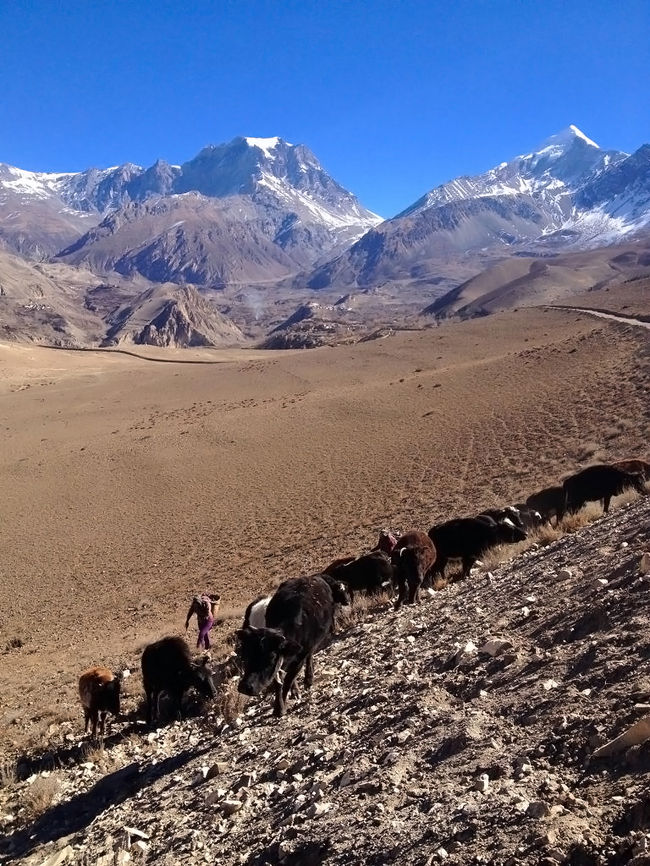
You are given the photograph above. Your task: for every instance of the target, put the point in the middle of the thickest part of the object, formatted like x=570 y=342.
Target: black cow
x=530 y=517
x=370 y=573
x=167 y=666
x=509 y=512
x=413 y=557
x=599 y=483
x=549 y=502
x=468 y=538
x=299 y=621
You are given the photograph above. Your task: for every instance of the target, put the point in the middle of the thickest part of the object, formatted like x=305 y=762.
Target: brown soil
x=128 y=485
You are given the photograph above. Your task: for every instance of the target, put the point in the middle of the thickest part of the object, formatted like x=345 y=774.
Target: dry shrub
x=573 y=522
x=440 y=582
x=626 y=497
x=503 y=552
x=589 y=451
x=230 y=703
x=90 y=751
x=8 y=774
x=546 y=534
x=39 y=796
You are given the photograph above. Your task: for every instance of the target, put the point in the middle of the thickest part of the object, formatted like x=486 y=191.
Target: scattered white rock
x=494 y=646
x=230 y=807
x=547 y=685
x=59 y=856
x=318 y=809
x=133 y=831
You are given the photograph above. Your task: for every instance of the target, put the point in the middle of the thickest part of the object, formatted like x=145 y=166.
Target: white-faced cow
x=299 y=622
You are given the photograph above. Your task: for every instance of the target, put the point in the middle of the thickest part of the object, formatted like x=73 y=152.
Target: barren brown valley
x=128 y=484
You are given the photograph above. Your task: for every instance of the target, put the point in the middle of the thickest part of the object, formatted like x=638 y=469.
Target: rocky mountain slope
x=256 y=208
x=567 y=194
x=63 y=306
x=479 y=727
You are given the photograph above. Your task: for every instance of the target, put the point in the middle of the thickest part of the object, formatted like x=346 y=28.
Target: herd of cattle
x=281 y=632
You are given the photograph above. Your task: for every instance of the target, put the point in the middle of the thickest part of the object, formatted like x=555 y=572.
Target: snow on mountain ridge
x=563 y=162
x=566 y=137
x=265 y=144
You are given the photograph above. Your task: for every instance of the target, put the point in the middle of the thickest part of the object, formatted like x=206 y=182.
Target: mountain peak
x=267 y=145
x=566 y=137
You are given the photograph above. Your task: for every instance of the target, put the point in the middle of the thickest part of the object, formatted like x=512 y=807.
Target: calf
x=468 y=538
x=598 y=483
x=370 y=573
x=299 y=621
x=167 y=666
x=636 y=467
x=99 y=690
x=549 y=502
x=413 y=557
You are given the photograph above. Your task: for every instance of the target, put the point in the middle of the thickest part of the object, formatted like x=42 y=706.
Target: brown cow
x=99 y=690
x=412 y=557
x=635 y=467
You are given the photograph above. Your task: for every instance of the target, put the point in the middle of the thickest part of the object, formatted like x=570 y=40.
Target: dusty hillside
x=464 y=730
x=127 y=484
x=528 y=281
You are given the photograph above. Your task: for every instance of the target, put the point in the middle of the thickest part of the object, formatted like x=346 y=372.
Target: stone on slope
x=638 y=733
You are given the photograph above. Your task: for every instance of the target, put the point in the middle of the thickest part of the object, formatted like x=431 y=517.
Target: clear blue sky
x=393 y=96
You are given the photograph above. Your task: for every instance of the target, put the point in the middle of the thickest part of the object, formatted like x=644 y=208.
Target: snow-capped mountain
x=274 y=194
x=568 y=193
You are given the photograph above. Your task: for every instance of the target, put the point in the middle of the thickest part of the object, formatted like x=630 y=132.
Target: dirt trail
x=605 y=314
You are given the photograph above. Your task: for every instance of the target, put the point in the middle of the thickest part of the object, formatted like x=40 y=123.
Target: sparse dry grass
x=573 y=522
x=40 y=795
x=8 y=774
x=230 y=703
x=353 y=614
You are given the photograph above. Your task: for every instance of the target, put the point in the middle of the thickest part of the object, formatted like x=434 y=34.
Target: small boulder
x=538 y=809
x=494 y=646
x=230 y=807
x=638 y=733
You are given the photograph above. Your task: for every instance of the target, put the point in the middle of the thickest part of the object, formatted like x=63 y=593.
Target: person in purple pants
x=205 y=607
